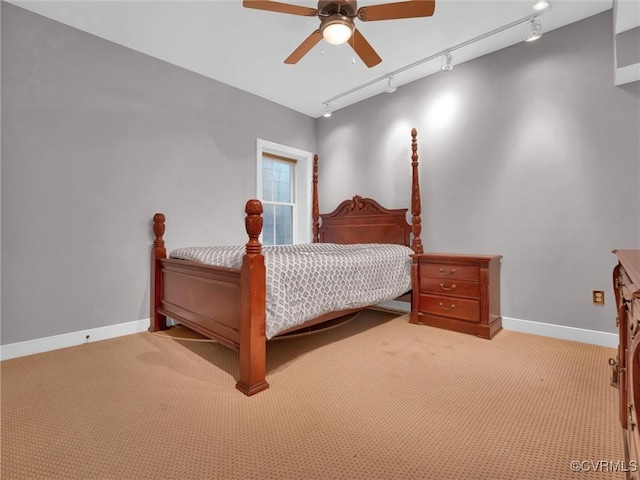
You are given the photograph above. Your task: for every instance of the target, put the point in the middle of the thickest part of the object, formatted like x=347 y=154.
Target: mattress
x=305 y=281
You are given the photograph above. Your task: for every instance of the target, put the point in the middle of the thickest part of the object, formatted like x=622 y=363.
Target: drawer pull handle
x=442 y=306
x=615 y=365
x=450 y=272
x=448 y=289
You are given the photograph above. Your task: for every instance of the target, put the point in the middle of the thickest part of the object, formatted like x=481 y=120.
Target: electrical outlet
x=598 y=297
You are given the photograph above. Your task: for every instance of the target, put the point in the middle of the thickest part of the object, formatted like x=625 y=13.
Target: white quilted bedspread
x=307 y=280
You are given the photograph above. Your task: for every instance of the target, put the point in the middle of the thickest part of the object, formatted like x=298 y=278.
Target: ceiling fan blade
x=280 y=7
x=364 y=50
x=393 y=11
x=304 y=48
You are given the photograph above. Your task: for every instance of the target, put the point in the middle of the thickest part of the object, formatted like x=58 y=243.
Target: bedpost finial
x=253 y=207
x=414 y=145
x=253 y=225
x=158 y=229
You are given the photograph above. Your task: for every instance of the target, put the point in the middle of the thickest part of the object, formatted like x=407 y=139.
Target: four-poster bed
x=229 y=304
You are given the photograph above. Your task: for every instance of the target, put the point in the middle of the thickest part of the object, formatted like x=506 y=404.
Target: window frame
x=302 y=193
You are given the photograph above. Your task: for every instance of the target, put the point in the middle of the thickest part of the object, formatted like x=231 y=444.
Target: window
x=284 y=187
x=277 y=199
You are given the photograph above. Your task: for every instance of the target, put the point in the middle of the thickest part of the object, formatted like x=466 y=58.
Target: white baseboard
x=582 y=335
x=39 y=345
x=394 y=306
x=29 y=347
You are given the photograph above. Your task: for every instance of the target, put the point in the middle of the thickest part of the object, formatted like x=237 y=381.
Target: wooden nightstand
x=457 y=292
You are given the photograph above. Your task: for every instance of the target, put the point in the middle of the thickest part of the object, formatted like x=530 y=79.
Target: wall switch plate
x=598 y=297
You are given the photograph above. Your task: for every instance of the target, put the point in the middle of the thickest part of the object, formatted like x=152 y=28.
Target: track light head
x=540 y=5
x=446 y=64
x=327 y=111
x=534 y=30
x=391 y=85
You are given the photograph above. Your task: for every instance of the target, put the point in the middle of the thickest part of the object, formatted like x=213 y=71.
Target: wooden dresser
x=626 y=365
x=457 y=292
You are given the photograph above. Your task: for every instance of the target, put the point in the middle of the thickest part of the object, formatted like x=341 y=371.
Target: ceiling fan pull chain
x=322 y=47
x=353 y=49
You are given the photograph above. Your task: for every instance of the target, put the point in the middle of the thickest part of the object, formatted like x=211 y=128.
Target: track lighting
x=539 y=5
x=391 y=84
x=446 y=64
x=327 y=111
x=534 y=30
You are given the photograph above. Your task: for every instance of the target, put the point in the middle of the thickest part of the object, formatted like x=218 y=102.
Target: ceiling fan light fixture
x=337 y=29
x=534 y=31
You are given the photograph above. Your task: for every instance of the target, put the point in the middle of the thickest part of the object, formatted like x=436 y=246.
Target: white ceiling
x=245 y=48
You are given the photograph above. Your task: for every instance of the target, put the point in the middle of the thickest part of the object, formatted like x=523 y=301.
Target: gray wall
x=96 y=139
x=529 y=152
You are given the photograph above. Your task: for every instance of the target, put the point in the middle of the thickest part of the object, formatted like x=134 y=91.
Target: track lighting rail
x=386 y=76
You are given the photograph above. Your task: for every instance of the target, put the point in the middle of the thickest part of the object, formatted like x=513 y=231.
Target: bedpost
x=416 y=209
x=253 y=342
x=158 y=321
x=316 y=208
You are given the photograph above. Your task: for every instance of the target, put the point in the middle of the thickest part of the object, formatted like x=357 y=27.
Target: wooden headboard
x=363 y=220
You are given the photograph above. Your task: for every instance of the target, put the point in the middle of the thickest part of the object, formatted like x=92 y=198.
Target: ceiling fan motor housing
x=347 y=8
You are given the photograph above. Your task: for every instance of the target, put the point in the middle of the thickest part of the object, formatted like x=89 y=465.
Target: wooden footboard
x=225 y=304
x=203 y=297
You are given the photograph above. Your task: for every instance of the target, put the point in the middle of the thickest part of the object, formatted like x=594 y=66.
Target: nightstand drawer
x=450 y=271
x=452 y=287
x=451 y=307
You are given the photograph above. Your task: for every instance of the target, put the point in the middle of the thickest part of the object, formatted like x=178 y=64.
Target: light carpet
x=376 y=398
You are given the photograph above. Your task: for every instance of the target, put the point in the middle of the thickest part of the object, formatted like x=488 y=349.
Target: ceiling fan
x=337 y=22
